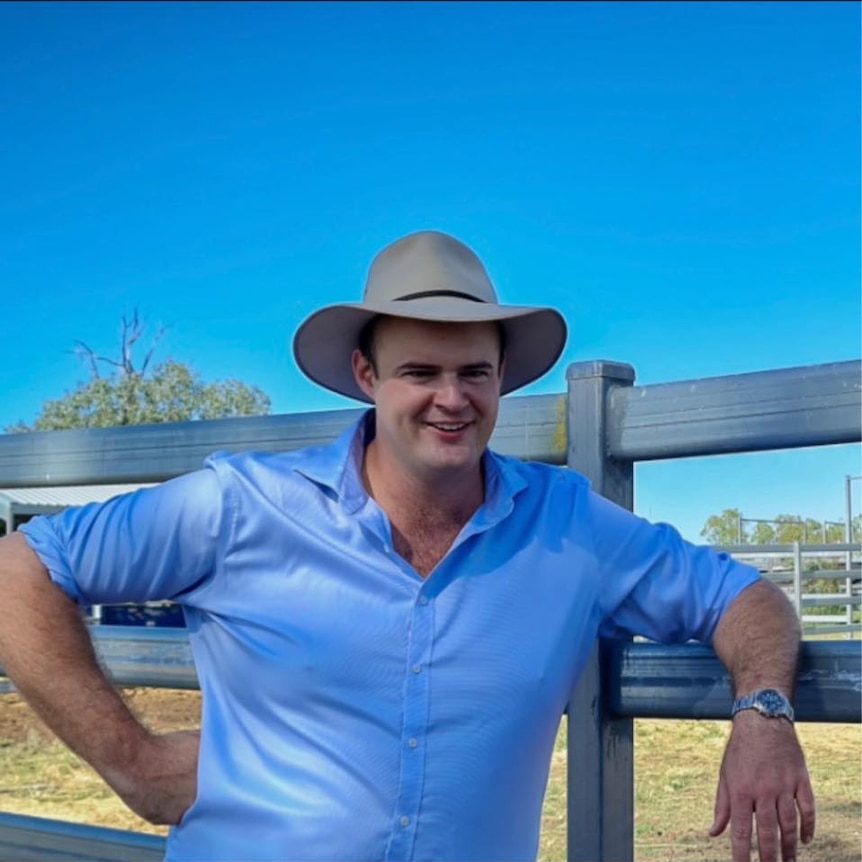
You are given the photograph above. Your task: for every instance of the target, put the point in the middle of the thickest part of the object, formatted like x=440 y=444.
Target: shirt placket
x=414 y=734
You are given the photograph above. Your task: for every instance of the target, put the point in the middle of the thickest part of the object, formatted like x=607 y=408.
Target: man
x=387 y=629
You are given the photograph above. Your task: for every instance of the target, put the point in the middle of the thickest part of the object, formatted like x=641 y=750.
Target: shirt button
x=423 y=600
x=412 y=743
x=404 y=821
x=417 y=668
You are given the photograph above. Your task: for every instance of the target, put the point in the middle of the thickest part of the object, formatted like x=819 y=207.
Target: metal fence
x=797 y=567
x=612 y=425
x=601 y=427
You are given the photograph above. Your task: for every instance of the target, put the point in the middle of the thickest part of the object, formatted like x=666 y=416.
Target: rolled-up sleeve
x=155 y=543
x=656 y=584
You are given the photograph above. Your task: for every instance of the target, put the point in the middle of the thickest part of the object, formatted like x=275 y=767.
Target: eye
x=476 y=374
x=417 y=373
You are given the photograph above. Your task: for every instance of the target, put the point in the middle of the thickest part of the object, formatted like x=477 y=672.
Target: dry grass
x=47 y=780
x=676 y=769
x=676 y=766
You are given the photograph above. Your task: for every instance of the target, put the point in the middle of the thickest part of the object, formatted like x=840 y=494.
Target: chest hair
x=423 y=539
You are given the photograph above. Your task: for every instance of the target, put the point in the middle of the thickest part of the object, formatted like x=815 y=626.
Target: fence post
x=600 y=819
x=848 y=557
x=797 y=580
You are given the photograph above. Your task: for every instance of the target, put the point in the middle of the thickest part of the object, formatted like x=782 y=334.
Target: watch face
x=770 y=702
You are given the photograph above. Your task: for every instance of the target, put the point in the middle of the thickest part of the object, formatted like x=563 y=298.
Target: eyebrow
x=428 y=366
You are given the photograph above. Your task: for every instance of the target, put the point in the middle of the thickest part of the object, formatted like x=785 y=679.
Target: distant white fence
x=793 y=566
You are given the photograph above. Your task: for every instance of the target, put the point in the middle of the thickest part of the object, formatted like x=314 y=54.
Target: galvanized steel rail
x=39 y=839
x=645 y=680
x=815 y=405
x=529 y=426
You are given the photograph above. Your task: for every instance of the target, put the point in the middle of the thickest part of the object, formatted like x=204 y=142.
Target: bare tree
x=131 y=332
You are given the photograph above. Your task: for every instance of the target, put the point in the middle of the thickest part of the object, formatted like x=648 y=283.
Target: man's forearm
x=757 y=639
x=763 y=778
x=46 y=651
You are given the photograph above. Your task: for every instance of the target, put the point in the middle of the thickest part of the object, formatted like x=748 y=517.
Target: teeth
x=452 y=427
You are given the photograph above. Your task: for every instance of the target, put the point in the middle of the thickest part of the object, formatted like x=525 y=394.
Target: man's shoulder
x=255 y=462
x=332 y=465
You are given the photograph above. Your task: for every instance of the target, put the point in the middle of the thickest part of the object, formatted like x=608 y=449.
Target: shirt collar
x=338 y=467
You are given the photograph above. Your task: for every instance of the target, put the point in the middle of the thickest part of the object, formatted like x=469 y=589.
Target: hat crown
x=428 y=263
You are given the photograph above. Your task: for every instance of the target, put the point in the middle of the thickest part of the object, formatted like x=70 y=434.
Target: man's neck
x=425 y=516
x=442 y=498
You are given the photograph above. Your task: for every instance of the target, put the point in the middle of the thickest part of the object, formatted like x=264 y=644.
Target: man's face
x=437 y=393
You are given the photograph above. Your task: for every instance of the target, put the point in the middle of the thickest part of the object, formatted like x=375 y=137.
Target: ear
x=363 y=373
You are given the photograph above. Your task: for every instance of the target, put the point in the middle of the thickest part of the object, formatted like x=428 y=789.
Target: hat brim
x=324 y=343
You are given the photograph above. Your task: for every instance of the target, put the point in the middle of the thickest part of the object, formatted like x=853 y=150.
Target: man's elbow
x=761 y=611
x=20 y=567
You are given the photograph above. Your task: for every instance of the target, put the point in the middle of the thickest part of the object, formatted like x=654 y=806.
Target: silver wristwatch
x=767 y=701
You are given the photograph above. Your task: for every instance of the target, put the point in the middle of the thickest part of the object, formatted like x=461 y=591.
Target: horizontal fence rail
x=648 y=680
x=38 y=838
x=813 y=405
x=791 y=407
x=785 y=549
x=645 y=679
x=529 y=426
x=149 y=657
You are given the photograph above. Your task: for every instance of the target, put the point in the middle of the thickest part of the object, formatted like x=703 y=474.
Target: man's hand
x=764 y=774
x=161 y=783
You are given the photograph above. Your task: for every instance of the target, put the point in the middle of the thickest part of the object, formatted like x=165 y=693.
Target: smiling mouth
x=448 y=427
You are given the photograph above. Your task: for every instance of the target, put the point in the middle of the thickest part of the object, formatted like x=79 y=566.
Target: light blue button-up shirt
x=351 y=708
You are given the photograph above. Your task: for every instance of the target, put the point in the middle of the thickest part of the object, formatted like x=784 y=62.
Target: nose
x=450 y=394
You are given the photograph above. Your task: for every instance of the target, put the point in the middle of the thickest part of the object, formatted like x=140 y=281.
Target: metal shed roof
x=69 y=495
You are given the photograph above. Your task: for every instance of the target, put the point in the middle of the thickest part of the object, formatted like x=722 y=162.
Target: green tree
x=783 y=529
x=133 y=394
x=789 y=528
x=763 y=534
x=835 y=532
x=723 y=529
x=813 y=530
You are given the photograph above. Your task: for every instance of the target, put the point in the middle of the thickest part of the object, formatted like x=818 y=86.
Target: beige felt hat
x=427 y=276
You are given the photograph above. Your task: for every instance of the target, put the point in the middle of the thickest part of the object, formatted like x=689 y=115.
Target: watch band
x=769 y=702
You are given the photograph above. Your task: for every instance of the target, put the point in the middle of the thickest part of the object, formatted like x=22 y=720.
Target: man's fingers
x=740 y=831
x=805 y=803
x=721 y=814
x=787 y=823
x=767 y=833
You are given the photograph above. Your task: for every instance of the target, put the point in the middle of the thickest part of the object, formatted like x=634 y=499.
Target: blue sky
x=681 y=180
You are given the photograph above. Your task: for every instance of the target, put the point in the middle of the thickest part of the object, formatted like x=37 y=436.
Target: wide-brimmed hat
x=427 y=276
